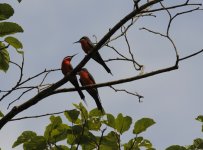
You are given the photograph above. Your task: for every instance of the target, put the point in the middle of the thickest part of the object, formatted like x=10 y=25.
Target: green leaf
x=83 y=111
x=60 y=133
x=94 y=124
x=61 y=147
x=176 y=147
x=36 y=143
x=198 y=143
x=1 y=114
x=110 y=121
x=72 y=115
x=133 y=144
x=55 y=123
x=7 y=28
x=4 y=58
x=24 y=137
x=15 y=43
x=109 y=142
x=95 y=113
x=199 y=118
x=122 y=124
x=55 y=120
x=71 y=139
x=142 y=125
x=6 y=11
x=146 y=143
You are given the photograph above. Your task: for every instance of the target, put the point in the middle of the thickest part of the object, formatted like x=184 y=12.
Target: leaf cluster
x=88 y=131
x=7 y=29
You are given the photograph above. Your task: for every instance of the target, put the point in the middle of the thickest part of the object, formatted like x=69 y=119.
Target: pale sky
x=172 y=99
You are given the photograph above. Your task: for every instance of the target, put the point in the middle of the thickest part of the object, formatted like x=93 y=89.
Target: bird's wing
x=82 y=83
x=91 y=78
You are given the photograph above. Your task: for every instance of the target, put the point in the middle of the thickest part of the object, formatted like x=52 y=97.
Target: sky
x=172 y=99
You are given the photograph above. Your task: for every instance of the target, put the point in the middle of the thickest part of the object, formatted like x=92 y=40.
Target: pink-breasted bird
x=87 y=46
x=87 y=79
x=66 y=67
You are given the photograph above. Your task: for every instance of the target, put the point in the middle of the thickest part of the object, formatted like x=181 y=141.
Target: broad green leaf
x=133 y=144
x=142 y=125
x=60 y=133
x=89 y=146
x=6 y=11
x=94 y=124
x=61 y=147
x=24 y=137
x=7 y=28
x=15 y=43
x=122 y=124
x=36 y=143
x=110 y=121
x=176 y=147
x=72 y=115
x=95 y=113
x=83 y=111
x=146 y=143
x=198 y=143
x=199 y=118
x=110 y=141
x=55 y=122
x=71 y=139
x=77 y=129
x=1 y=114
x=4 y=58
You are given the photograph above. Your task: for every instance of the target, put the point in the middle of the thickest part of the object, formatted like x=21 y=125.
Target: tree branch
x=45 y=93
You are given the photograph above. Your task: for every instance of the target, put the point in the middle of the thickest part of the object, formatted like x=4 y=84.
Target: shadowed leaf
x=6 y=11
x=4 y=58
x=72 y=115
x=176 y=147
x=24 y=137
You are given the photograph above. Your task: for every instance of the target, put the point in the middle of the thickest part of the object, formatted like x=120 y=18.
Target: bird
x=66 y=67
x=87 y=79
x=87 y=46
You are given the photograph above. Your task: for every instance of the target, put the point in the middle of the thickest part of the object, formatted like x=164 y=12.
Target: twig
x=189 y=56
x=22 y=94
x=100 y=140
x=123 y=90
x=38 y=116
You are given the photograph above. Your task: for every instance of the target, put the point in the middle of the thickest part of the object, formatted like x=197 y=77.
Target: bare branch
x=123 y=90
x=38 y=116
x=189 y=56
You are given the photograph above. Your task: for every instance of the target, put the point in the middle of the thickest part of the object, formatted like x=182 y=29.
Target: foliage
x=8 y=28
x=87 y=130
x=94 y=130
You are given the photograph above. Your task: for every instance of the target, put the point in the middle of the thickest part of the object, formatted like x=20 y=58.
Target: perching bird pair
x=85 y=77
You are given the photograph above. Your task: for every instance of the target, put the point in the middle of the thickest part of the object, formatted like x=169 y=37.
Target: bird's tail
x=98 y=102
x=75 y=83
x=106 y=68
x=97 y=57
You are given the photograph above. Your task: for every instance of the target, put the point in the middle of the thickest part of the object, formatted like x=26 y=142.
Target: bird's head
x=83 y=39
x=69 y=58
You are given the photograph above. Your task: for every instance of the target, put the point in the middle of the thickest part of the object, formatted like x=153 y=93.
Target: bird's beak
x=77 y=42
x=73 y=55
